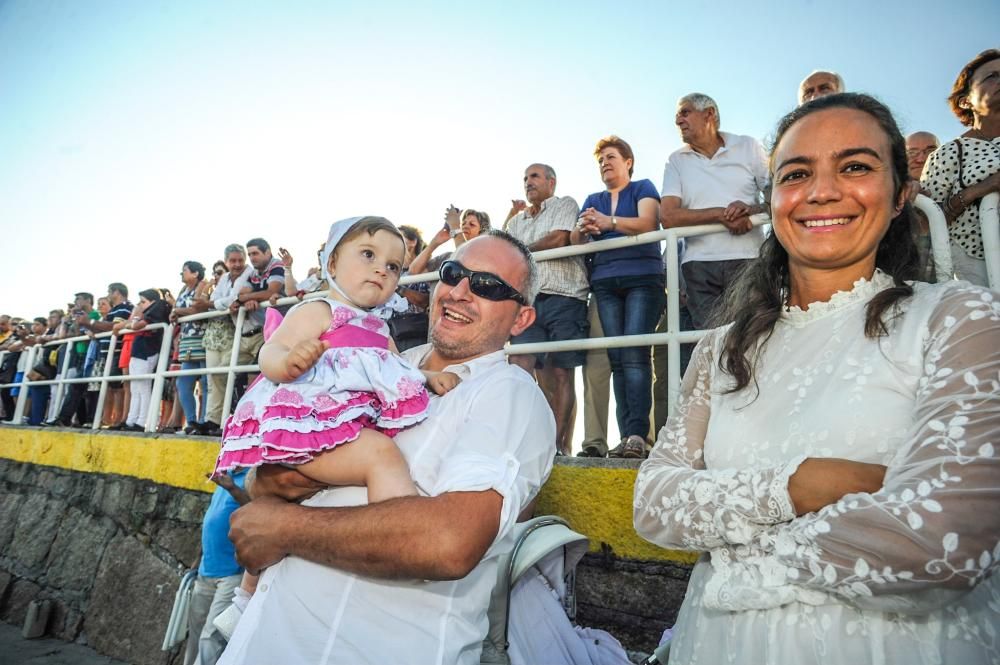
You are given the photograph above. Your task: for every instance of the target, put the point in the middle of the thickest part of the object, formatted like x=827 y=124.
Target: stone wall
x=106 y=550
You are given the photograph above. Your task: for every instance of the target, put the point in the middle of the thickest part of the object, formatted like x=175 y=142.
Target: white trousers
x=139 y=406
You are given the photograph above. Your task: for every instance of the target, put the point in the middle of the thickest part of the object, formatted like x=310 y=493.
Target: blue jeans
x=630 y=306
x=185 y=390
x=39 y=403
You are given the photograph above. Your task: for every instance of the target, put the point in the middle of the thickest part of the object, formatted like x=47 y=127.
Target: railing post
x=102 y=394
x=673 y=324
x=940 y=240
x=234 y=357
x=61 y=387
x=22 y=391
x=989 y=223
x=153 y=416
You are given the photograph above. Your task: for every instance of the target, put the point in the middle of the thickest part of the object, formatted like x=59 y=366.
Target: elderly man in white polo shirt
x=408 y=580
x=716 y=177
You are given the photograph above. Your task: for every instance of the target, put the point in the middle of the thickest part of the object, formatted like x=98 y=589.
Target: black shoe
x=116 y=428
x=55 y=422
x=590 y=451
x=133 y=428
x=208 y=428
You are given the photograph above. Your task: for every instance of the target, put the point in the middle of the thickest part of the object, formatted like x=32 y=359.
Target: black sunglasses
x=483 y=284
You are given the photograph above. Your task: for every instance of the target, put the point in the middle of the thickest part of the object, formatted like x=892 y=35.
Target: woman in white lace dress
x=835 y=449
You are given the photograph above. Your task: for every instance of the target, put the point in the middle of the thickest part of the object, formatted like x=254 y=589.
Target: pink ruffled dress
x=356 y=383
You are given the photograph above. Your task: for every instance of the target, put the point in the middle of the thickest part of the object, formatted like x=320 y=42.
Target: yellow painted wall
x=596 y=501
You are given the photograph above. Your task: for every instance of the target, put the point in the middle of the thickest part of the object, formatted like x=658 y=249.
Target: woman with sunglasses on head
x=627 y=283
x=833 y=453
x=331 y=394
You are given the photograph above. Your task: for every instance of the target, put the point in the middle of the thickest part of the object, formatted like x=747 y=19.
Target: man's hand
x=286 y=257
x=822 y=481
x=281 y=481
x=251 y=305
x=303 y=356
x=255 y=531
x=739 y=225
x=234 y=306
x=516 y=206
x=735 y=210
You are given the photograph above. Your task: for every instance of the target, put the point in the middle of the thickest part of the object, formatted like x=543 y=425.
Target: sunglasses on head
x=483 y=284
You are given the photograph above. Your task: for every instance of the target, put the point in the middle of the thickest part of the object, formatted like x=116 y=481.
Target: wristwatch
x=614 y=223
x=454 y=232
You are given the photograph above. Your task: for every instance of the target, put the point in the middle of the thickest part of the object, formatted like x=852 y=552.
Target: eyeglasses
x=220 y=273
x=483 y=284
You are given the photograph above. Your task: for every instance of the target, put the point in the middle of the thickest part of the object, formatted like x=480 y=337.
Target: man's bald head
x=919 y=146
x=819 y=84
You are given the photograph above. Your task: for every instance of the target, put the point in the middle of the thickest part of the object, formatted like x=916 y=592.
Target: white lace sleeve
x=933 y=531
x=680 y=504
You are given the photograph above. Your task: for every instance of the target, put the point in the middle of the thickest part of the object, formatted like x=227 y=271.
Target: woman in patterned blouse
x=959 y=173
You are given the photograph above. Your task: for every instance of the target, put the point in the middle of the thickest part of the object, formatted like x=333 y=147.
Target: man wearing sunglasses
x=408 y=580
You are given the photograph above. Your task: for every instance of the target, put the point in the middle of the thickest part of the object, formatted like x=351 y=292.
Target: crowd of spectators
x=715 y=177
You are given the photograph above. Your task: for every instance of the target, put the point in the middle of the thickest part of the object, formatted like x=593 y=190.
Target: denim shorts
x=557 y=318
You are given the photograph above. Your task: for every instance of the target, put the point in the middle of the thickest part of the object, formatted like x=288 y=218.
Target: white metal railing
x=672 y=338
x=989 y=223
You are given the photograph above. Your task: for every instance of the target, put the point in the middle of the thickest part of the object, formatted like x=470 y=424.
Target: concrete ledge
x=165 y=459
x=594 y=496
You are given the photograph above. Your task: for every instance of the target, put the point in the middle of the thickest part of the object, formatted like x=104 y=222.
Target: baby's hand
x=303 y=356
x=442 y=382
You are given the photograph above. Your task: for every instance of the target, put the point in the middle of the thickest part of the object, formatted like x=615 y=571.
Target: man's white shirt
x=493 y=431
x=736 y=172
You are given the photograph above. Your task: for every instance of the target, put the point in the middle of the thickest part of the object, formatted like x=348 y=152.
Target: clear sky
x=136 y=135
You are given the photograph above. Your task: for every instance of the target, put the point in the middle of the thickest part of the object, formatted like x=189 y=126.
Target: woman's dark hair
x=151 y=294
x=219 y=264
x=196 y=267
x=412 y=233
x=755 y=299
x=963 y=84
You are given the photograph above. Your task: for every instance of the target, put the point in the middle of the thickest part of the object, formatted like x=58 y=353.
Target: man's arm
x=433 y=538
x=735 y=217
x=273 y=286
x=550 y=240
x=672 y=215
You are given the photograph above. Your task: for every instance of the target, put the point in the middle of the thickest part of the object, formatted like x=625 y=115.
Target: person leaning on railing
x=267 y=279
x=959 y=173
x=193 y=299
x=219 y=332
x=152 y=308
x=627 y=282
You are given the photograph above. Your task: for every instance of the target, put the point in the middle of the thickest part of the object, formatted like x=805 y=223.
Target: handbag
x=411 y=326
x=177 y=626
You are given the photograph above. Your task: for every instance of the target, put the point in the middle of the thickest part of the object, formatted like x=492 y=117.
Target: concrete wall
x=104 y=524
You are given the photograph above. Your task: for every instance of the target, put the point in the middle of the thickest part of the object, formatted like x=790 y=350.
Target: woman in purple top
x=627 y=282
